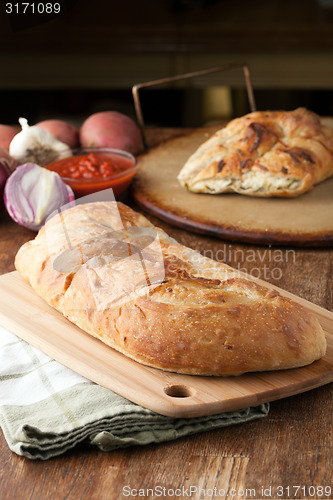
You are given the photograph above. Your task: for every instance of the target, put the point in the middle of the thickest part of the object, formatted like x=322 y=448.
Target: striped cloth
x=46 y=409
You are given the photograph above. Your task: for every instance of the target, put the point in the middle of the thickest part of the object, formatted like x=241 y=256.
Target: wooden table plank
x=292 y=446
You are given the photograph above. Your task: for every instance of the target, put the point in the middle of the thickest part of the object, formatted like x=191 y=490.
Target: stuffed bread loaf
x=126 y=282
x=264 y=153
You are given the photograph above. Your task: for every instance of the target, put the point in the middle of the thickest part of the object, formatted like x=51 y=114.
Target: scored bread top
x=264 y=153
x=126 y=282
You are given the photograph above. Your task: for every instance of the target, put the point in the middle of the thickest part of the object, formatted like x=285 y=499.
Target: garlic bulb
x=36 y=145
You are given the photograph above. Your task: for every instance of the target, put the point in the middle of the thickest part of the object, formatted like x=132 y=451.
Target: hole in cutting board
x=178 y=391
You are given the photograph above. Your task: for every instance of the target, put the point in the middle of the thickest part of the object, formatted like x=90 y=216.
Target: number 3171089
x=33 y=8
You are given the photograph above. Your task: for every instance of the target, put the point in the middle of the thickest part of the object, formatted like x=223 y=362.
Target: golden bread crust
x=264 y=153
x=201 y=317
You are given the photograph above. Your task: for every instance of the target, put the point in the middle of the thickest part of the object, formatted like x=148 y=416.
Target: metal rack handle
x=184 y=76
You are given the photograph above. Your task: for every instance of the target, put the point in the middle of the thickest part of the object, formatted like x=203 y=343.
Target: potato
x=113 y=130
x=7 y=161
x=6 y=135
x=63 y=131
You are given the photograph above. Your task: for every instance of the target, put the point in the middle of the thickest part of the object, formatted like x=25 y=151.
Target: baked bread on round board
x=264 y=153
x=111 y=272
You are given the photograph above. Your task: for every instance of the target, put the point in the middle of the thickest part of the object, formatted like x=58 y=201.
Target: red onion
x=3 y=178
x=32 y=193
x=7 y=165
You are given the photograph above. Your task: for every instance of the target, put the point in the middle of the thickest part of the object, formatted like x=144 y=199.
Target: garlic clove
x=36 y=145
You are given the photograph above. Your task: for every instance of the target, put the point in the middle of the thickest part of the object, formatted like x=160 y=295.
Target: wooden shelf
x=287 y=44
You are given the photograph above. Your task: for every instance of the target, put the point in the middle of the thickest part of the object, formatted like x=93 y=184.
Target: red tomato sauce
x=90 y=166
x=91 y=172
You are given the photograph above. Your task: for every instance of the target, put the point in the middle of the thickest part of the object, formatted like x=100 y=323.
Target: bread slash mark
x=220 y=165
x=246 y=163
x=258 y=130
x=68 y=281
x=299 y=156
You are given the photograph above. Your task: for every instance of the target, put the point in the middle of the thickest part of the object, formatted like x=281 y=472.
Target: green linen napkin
x=47 y=409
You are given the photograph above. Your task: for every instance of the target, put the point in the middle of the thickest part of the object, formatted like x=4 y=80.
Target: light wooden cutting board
x=28 y=316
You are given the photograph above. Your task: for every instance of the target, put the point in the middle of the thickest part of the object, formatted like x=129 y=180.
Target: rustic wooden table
x=288 y=454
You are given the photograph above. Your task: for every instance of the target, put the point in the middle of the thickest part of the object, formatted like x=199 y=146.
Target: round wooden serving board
x=306 y=220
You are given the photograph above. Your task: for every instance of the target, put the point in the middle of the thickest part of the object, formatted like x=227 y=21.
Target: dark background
x=87 y=59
